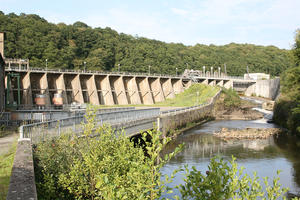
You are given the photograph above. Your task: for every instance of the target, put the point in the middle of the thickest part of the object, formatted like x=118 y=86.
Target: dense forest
x=287 y=108
x=69 y=46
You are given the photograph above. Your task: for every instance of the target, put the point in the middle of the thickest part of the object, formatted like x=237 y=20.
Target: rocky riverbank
x=243 y=112
x=248 y=133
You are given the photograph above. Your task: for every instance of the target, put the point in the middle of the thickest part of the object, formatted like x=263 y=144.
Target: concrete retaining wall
x=181 y=119
x=22 y=181
x=264 y=88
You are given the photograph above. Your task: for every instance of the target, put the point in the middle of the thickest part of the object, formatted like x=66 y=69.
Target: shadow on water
x=265 y=156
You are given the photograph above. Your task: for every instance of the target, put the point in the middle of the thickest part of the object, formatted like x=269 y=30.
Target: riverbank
x=248 y=133
x=242 y=112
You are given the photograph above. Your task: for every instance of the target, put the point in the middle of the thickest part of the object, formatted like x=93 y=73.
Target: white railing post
x=21 y=132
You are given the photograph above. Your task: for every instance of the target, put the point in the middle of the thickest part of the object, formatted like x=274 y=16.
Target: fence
x=25 y=69
x=43 y=130
x=31 y=116
x=5 y=118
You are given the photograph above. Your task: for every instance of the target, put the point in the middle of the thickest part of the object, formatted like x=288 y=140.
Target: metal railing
x=5 y=118
x=23 y=68
x=40 y=131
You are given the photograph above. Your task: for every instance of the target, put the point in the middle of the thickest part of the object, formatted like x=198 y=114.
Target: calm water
x=265 y=156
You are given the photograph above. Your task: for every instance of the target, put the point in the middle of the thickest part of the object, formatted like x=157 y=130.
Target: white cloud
x=178 y=11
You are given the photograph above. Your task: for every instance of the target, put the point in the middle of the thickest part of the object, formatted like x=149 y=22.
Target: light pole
x=84 y=66
x=149 y=69
x=119 y=67
x=46 y=63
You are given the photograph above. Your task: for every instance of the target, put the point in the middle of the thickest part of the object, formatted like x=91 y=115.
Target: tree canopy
x=68 y=46
x=287 y=109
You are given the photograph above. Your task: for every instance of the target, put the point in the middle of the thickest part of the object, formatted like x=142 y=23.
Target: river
x=265 y=156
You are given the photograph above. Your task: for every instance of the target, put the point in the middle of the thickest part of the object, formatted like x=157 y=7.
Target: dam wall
x=96 y=88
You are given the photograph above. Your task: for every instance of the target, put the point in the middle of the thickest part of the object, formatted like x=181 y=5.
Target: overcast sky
x=261 y=22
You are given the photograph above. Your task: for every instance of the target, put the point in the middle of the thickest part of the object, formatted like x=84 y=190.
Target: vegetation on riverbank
x=69 y=46
x=112 y=167
x=231 y=106
x=287 y=108
x=6 y=163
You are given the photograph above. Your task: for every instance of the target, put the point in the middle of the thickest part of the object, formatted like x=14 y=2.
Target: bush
x=106 y=167
x=223 y=181
x=231 y=99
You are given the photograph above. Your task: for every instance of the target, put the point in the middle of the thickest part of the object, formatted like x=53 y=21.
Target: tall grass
x=6 y=163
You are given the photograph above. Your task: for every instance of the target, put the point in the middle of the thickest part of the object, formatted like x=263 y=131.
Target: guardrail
x=5 y=118
x=40 y=131
x=22 y=68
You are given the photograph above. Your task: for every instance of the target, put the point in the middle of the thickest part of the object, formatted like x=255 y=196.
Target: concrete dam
x=90 y=87
x=25 y=85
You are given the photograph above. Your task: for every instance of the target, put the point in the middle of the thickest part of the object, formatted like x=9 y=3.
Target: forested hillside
x=68 y=46
x=287 y=108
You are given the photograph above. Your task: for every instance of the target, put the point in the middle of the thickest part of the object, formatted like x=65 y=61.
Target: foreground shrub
x=104 y=167
x=225 y=181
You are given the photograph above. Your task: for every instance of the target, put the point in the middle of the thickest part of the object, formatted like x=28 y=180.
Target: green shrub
x=104 y=167
x=223 y=181
x=231 y=99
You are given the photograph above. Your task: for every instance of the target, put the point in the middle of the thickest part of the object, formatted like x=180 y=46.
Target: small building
x=257 y=76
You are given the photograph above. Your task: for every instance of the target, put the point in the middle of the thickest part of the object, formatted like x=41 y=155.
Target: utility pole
x=46 y=64
x=84 y=66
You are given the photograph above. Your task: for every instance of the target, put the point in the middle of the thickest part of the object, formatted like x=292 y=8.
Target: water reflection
x=265 y=156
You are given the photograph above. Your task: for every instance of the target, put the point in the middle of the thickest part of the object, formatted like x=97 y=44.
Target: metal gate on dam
x=98 y=88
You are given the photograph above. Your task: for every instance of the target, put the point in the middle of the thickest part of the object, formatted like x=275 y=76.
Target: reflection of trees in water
x=290 y=146
x=199 y=146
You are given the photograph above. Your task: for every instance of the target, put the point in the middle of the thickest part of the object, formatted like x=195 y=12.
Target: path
x=6 y=142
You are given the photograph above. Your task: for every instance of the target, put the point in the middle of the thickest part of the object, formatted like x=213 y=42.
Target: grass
x=194 y=95
x=6 y=163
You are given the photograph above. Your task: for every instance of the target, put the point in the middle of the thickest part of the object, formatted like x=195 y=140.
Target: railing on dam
x=25 y=69
x=40 y=131
x=187 y=76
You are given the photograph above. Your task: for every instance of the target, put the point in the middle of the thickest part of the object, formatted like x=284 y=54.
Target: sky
x=218 y=22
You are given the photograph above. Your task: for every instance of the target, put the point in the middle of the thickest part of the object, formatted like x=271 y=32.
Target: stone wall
x=181 y=118
x=22 y=181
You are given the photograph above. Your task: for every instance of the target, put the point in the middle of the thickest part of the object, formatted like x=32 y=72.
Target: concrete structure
x=22 y=181
x=264 y=88
x=257 y=76
x=95 y=87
